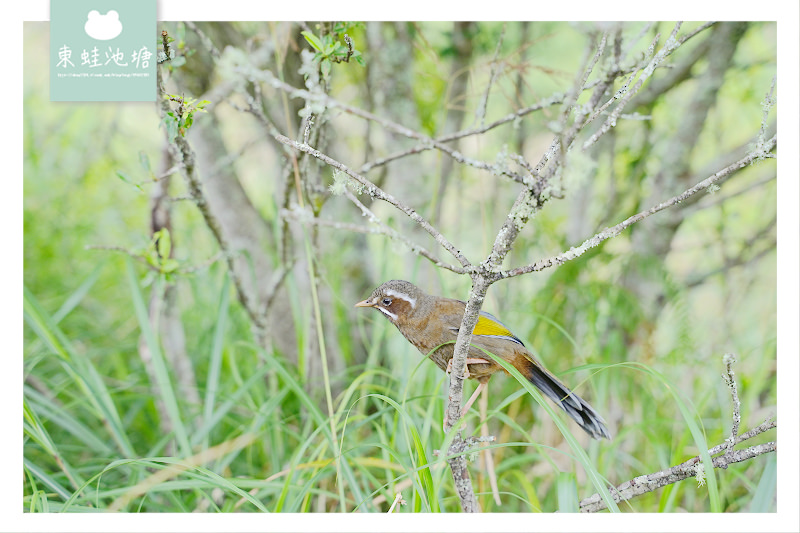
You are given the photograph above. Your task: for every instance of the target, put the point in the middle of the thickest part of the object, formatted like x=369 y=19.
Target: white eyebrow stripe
x=402 y=296
x=387 y=313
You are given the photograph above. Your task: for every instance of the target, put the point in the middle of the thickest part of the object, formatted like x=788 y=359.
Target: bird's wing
x=489 y=326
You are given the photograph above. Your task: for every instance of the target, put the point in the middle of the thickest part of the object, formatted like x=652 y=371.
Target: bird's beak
x=365 y=303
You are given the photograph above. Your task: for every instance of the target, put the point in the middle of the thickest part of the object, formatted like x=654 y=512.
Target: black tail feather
x=575 y=406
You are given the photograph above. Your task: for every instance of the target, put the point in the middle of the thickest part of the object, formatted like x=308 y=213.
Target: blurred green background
x=629 y=325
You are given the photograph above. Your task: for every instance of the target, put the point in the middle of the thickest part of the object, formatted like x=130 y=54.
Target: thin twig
x=555 y=99
x=377 y=193
x=632 y=42
x=204 y=39
x=397 y=499
x=624 y=95
x=135 y=255
x=766 y=105
x=480 y=112
x=531 y=199
x=720 y=199
x=728 y=359
x=376 y=227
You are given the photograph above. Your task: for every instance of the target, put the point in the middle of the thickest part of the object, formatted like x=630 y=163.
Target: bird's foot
x=469 y=361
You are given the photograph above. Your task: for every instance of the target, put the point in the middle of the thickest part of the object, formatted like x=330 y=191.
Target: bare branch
x=648 y=483
x=388 y=124
x=729 y=264
x=531 y=199
x=695 y=32
x=624 y=96
x=555 y=99
x=204 y=39
x=376 y=192
x=377 y=227
x=721 y=199
x=613 y=231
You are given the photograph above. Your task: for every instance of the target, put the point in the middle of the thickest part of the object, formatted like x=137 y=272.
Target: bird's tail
x=575 y=406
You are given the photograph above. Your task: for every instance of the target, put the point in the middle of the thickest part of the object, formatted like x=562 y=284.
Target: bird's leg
x=472 y=398
x=469 y=361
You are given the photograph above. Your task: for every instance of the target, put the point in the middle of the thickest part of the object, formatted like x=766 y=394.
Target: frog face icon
x=103 y=27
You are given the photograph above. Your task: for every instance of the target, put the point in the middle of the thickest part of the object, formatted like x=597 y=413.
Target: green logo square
x=103 y=50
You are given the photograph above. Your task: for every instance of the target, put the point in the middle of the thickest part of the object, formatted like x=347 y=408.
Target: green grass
x=91 y=442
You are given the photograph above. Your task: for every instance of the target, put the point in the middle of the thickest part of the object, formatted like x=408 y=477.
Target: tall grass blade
x=764 y=497
x=567 y=491
x=163 y=379
x=215 y=360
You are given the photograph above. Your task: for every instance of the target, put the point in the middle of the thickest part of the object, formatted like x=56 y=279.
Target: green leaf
x=426 y=487
x=79 y=367
x=124 y=177
x=144 y=161
x=169 y=266
x=313 y=40
x=164 y=242
x=339 y=50
x=171 y=126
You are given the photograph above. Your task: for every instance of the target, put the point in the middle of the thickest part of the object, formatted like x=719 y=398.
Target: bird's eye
x=387 y=302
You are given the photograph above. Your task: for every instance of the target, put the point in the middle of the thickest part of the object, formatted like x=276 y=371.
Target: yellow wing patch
x=489 y=326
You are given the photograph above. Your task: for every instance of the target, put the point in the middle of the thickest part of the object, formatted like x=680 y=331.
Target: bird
x=431 y=324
